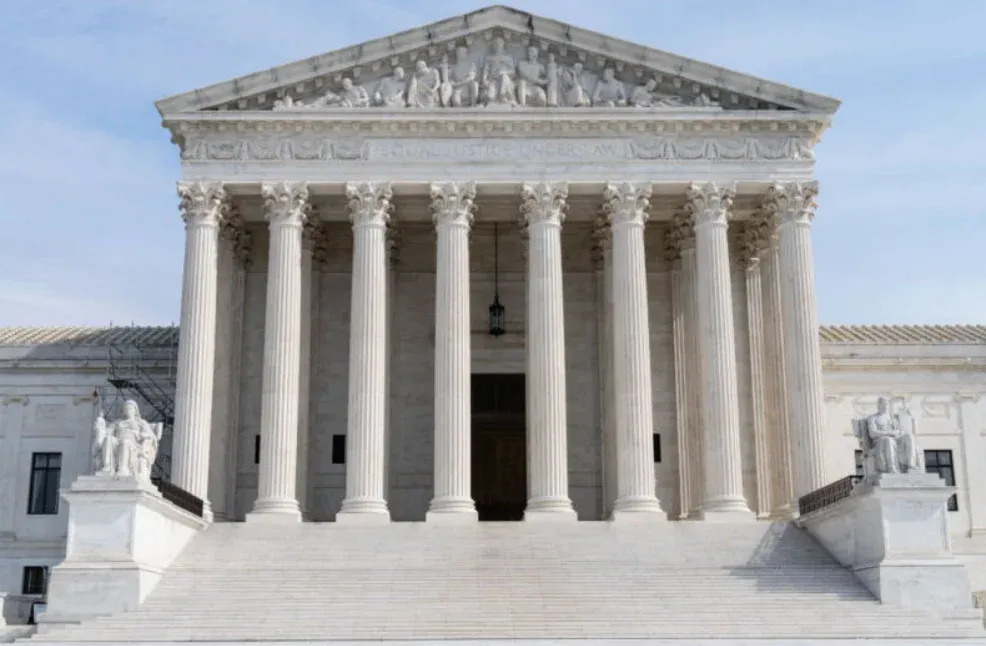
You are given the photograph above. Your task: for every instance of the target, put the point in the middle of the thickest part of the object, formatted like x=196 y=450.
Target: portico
x=695 y=219
x=341 y=256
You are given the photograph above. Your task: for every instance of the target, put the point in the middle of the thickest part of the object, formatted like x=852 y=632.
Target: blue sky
x=91 y=232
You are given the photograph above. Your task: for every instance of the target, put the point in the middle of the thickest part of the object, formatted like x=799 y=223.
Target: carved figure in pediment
x=645 y=96
x=572 y=83
x=499 y=73
x=887 y=442
x=460 y=84
x=287 y=103
x=423 y=91
x=353 y=95
x=609 y=92
x=532 y=81
x=127 y=447
x=703 y=100
x=392 y=91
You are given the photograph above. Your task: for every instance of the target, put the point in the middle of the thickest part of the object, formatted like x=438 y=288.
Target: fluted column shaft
x=287 y=209
x=202 y=206
x=683 y=333
x=604 y=358
x=776 y=386
x=627 y=205
x=693 y=366
x=365 y=500
x=795 y=203
x=453 y=206
x=724 y=497
x=309 y=237
x=223 y=385
x=755 y=331
x=543 y=206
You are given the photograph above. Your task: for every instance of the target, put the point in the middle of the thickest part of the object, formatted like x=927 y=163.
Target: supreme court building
x=500 y=270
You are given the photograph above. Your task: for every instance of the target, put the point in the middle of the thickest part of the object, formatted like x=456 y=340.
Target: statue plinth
x=122 y=536
x=892 y=532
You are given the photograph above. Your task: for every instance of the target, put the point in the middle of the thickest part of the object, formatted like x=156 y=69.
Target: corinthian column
x=365 y=501
x=794 y=208
x=202 y=207
x=710 y=206
x=287 y=208
x=626 y=206
x=603 y=255
x=753 y=243
x=453 y=206
x=543 y=207
x=778 y=418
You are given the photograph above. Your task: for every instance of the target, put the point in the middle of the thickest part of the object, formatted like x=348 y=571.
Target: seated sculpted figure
x=127 y=447
x=887 y=446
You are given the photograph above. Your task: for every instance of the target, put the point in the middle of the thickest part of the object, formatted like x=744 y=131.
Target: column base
x=638 y=509
x=550 y=510
x=274 y=512
x=452 y=511
x=356 y=511
x=727 y=511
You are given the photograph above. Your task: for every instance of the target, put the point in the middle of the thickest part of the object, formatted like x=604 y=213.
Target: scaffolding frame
x=147 y=374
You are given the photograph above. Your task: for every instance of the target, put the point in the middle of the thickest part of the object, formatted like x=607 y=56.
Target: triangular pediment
x=497 y=57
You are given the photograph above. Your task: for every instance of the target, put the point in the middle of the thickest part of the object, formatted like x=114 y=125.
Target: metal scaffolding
x=144 y=370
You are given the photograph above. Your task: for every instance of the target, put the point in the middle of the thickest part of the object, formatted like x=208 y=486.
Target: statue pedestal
x=893 y=534
x=122 y=535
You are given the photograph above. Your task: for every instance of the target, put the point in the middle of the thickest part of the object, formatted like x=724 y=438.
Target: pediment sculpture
x=127 y=447
x=887 y=441
x=499 y=78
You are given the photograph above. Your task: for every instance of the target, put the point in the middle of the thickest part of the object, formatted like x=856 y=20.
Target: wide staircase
x=405 y=581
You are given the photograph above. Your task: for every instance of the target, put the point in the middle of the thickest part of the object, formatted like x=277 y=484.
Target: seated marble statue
x=887 y=446
x=126 y=447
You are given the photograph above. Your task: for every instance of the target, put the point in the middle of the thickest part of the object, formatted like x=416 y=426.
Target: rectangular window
x=859 y=463
x=940 y=462
x=338 y=449
x=657 y=448
x=46 y=475
x=256 y=449
x=35 y=580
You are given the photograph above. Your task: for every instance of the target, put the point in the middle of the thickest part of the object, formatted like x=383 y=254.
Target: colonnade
x=788 y=364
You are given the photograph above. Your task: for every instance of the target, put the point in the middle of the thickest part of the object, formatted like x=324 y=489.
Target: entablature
x=498 y=145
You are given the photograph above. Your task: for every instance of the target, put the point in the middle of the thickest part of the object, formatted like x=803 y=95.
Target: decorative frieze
x=316 y=148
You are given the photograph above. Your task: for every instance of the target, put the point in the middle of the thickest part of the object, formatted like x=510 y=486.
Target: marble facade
x=340 y=259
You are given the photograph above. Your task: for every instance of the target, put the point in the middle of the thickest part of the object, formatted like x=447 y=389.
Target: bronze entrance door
x=499 y=449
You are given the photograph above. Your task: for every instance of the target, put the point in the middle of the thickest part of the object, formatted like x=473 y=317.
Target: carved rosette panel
x=544 y=202
x=202 y=203
x=709 y=203
x=369 y=203
x=286 y=203
x=626 y=203
x=453 y=203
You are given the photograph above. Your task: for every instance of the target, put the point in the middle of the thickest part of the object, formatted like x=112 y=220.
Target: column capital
x=369 y=203
x=602 y=239
x=709 y=203
x=683 y=224
x=754 y=240
x=286 y=203
x=311 y=231
x=791 y=202
x=453 y=203
x=202 y=203
x=393 y=236
x=627 y=203
x=231 y=226
x=673 y=242
x=544 y=202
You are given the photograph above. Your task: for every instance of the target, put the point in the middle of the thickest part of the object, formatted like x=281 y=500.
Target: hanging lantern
x=497 y=312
